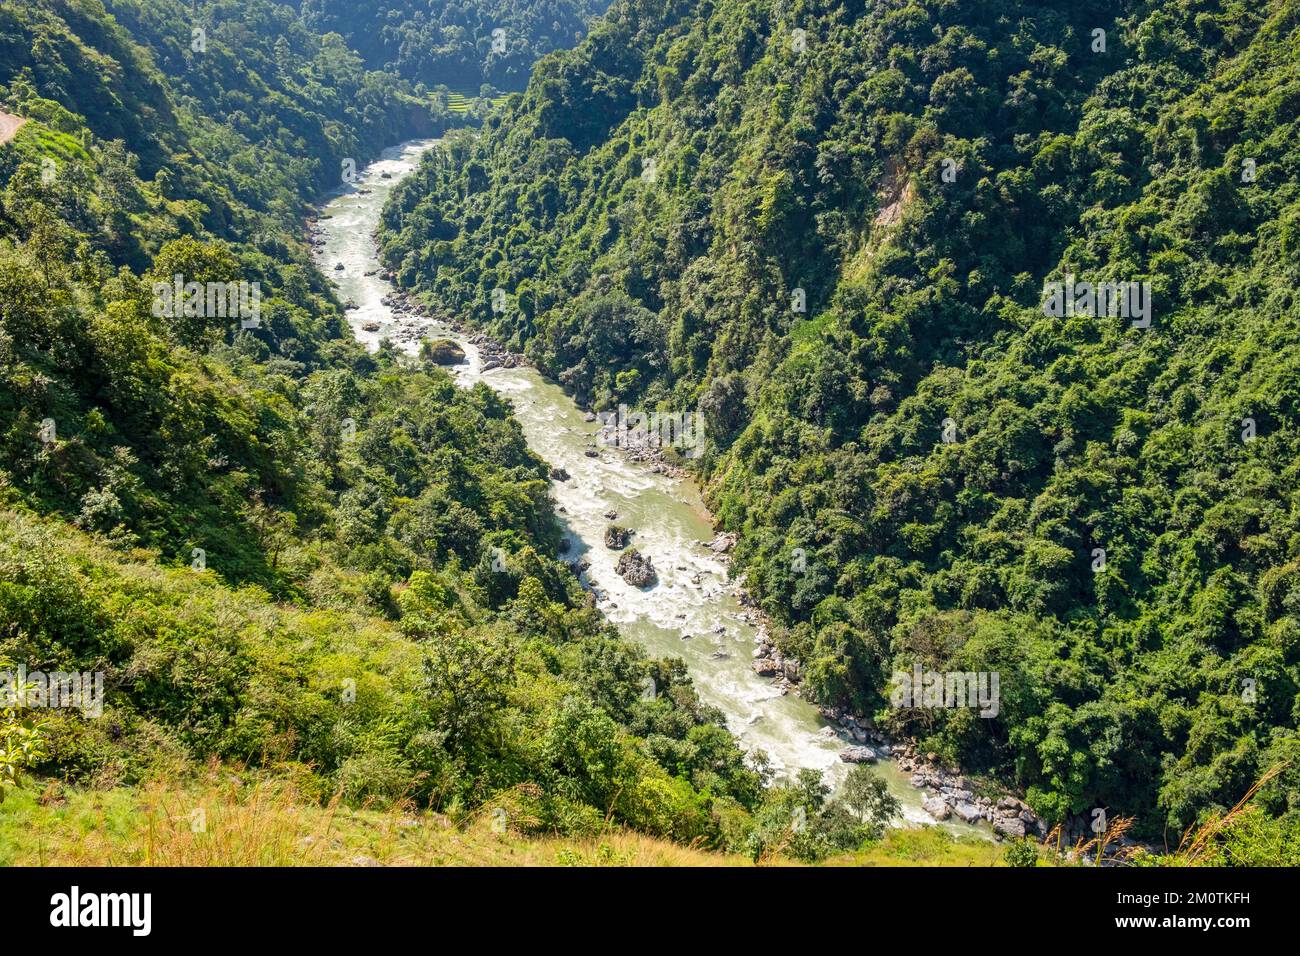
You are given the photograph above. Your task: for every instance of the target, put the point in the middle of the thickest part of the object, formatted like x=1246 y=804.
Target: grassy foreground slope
x=223 y=816
x=828 y=225
x=259 y=825
x=248 y=822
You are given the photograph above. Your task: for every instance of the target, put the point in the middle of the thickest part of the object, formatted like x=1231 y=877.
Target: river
x=701 y=624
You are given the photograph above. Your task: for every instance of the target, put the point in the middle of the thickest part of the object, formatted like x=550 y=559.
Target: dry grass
x=1198 y=842
x=1098 y=849
x=266 y=824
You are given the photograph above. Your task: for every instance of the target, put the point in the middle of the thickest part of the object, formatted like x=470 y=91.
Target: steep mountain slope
x=926 y=466
x=459 y=44
x=248 y=111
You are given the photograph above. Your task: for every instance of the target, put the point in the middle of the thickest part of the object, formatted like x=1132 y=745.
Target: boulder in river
x=636 y=569
x=936 y=808
x=441 y=352
x=858 y=755
x=723 y=543
x=559 y=474
x=616 y=538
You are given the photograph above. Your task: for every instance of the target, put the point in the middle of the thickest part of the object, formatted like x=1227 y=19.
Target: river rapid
x=703 y=623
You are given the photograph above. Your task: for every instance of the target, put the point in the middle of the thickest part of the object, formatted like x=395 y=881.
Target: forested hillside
x=460 y=44
x=122 y=178
x=828 y=224
x=284 y=554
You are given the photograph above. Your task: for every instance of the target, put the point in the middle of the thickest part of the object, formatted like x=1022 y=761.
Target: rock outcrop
x=722 y=543
x=636 y=569
x=495 y=355
x=1009 y=816
x=936 y=808
x=770 y=662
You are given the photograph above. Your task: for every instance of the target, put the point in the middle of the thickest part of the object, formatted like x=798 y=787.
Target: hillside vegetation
x=280 y=551
x=925 y=466
x=462 y=45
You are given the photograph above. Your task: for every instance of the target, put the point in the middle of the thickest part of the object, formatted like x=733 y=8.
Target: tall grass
x=266 y=823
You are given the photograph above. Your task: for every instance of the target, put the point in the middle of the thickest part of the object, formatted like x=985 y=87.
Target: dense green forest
x=235 y=140
x=828 y=225
x=456 y=43
x=282 y=551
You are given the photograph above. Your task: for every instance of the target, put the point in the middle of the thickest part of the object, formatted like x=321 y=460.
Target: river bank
x=694 y=611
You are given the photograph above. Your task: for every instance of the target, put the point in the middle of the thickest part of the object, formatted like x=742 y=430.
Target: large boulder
x=442 y=352
x=616 y=538
x=1009 y=826
x=924 y=777
x=936 y=808
x=636 y=569
x=723 y=542
x=858 y=755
